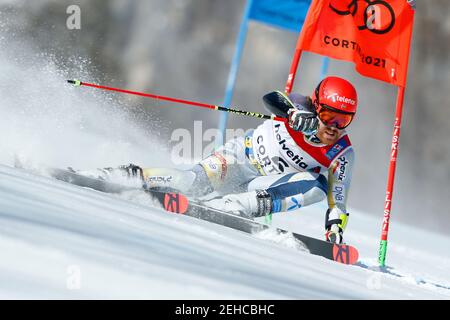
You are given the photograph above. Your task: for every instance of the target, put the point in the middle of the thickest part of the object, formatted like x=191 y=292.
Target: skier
x=279 y=166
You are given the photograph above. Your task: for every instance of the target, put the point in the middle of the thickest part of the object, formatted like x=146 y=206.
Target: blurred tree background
x=183 y=48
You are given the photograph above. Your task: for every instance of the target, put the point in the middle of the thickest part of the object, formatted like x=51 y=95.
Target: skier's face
x=328 y=135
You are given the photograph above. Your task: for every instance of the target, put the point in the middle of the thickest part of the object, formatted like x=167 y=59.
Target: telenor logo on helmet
x=337 y=98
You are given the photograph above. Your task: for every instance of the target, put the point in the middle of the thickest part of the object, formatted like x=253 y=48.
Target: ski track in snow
x=63 y=241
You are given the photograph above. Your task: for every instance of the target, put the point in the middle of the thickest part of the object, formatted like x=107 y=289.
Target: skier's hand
x=334 y=234
x=303 y=121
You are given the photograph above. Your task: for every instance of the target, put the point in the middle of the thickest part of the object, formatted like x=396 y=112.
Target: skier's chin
x=329 y=136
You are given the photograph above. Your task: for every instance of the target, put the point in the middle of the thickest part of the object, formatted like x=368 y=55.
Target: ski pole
x=181 y=101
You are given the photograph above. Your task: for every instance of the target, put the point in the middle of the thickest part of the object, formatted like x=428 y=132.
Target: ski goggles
x=332 y=118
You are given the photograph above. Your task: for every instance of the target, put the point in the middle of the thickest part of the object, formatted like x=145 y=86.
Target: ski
x=341 y=253
x=171 y=201
x=176 y=202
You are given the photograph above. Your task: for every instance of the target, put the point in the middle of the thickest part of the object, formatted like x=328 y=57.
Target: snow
x=62 y=241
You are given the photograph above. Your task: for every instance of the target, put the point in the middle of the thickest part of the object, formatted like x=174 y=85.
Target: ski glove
x=334 y=234
x=335 y=223
x=304 y=121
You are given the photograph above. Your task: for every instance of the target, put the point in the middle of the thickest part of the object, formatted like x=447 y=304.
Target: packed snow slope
x=62 y=241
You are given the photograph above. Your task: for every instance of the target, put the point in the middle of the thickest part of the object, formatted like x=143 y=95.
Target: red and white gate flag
x=374 y=34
